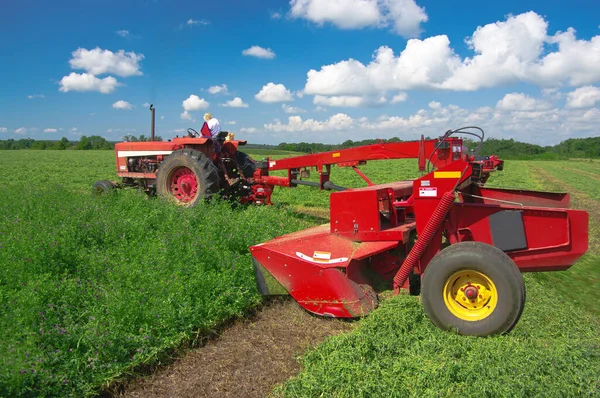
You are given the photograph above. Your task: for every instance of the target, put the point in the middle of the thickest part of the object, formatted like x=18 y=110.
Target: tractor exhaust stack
x=152 y=110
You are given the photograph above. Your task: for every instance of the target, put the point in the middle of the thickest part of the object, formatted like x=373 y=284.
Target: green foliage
x=85 y=143
x=511 y=149
x=579 y=147
x=93 y=142
x=313 y=147
x=90 y=288
x=396 y=351
x=142 y=137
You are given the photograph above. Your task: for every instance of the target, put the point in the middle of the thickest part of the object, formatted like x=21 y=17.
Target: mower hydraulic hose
x=328 y=185
x=424 y=239
x=308 y=183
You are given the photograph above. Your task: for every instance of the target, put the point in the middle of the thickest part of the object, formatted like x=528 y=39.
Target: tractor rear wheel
x=103 y=187
x=474 y=288
x=187 y=177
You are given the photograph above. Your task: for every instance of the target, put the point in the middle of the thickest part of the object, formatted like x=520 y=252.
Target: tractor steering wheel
x=192 y=133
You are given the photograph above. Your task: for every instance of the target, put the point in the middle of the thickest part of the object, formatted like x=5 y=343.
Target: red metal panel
x=321 y=270
x=146 y=146
x=522 y=196
x=319 y=239
x=395 y=150
x=187 y=141
x=354 y=211
x=556 y=238
x=368 y=214
x=136 y=175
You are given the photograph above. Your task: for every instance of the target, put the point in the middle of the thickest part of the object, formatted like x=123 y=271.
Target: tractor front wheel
x=103 y=187
x=474 y=288
x=187 y=177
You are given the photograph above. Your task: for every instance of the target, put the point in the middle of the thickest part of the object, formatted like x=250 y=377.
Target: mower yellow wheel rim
x=470 y=295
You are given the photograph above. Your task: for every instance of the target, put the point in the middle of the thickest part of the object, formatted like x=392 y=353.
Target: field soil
x=247 y=360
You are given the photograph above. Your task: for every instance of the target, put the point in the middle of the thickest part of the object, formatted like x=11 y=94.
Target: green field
x=92 y=289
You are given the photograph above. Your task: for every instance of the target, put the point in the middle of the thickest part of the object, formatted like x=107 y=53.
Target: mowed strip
x=580 y=283
x=247 y=360
x=593 y=176
x=579 y=200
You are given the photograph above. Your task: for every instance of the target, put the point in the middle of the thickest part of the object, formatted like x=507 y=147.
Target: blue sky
x=301 y=70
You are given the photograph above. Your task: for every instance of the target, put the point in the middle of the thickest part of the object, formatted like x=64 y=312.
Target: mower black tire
x=103 y=187
x=245 y=164
x=473 y=288
x=204 y=170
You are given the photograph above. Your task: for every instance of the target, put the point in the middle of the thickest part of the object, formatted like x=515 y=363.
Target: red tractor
x=445 y=235
x=186 y=170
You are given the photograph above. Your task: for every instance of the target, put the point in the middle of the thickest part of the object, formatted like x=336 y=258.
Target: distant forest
x=505 y=149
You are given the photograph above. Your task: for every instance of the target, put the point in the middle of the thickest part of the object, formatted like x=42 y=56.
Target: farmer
x=213 y=124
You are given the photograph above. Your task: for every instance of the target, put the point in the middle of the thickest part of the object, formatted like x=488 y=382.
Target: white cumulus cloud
x=259 y=52
x=291 y=109
x=33 y=96
x=193 y=103
x=248 y=130
x=21 y=131
x=339 y=121
x=530 y=122
x=521 y=102
x=435 y=105
x=583 y=97
x=351 y=101
x=123 y=33
x=400 y=97
x=403 y=16
x=87 y=82
x=236 y=103
x=509 y=51
x=49 y=130
x=3 y=129
x=120 y=104
x=222 y=89
x=272 y=92
x=192 y=22
x=98 y=62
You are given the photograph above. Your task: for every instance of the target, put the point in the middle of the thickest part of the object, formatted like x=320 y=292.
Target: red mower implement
x=445 y=235
x=461 y=245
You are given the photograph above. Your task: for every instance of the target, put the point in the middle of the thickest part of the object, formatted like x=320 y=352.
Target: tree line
x=506 y=149
x=93 y=142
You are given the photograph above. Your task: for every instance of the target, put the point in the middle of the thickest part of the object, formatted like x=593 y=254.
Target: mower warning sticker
x=322 y=255
x=428 y=192
x=272 y=163
x=322 y=258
